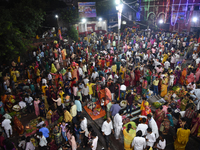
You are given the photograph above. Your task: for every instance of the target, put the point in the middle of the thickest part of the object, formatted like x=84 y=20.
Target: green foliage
x=73 y=33
x=69 y=15
x=18 y=24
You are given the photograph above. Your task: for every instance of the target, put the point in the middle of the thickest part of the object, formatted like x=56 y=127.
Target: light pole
x=119 y=8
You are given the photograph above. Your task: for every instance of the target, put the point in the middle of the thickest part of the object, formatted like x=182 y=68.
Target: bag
x=162 y=127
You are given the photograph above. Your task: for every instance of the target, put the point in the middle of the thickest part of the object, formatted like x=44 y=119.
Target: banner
x=87 y=9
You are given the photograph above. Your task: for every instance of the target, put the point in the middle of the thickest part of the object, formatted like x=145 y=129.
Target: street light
x=117 y=2
x=119 y=8
x=194 y=19
x=123 y=22
x=100 y=19
x=161 y=21
x=56 y=16
x=84 y=20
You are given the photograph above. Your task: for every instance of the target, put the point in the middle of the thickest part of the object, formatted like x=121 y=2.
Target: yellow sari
x=128 y=138
x=182 y=139
x=122 y=70
x=165 y=58
x=164 y=87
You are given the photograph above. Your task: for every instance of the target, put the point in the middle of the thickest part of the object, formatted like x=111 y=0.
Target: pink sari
x=190 y=78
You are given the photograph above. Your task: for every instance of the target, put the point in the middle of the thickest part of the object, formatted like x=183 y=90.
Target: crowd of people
x=58 y=79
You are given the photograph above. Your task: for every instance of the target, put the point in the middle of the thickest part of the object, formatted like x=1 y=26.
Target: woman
x=182 y=134
x=129 y=134
x=137 y=76
x=42 y=108
x=144 y=86
x=54 y=116
x=19 y=126
x=73 y=141
x=132 y=77
x=145 y=108
x=183 y=76
x=149 y=76
x=195 y=124
x=127 y=79
x=159 y=116
x=122 y=70
x=57 y=135
x=190 y=78
x=178 y=75
x=36 y=102
x=164 y=86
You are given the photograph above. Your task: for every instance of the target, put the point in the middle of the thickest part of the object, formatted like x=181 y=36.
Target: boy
x=150 y=138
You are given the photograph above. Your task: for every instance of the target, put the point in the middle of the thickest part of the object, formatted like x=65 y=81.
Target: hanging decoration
x=176 y=13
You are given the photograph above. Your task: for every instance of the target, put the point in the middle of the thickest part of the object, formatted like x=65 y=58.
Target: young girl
x=36 y=106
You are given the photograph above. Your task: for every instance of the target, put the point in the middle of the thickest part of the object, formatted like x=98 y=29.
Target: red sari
x=127 y=80
x=159 y=117
x=183 y=76
x=137 y=76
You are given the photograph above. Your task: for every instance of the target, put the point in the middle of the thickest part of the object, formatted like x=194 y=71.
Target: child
x=102 y=104
x=22 y=143
x=171 y=79
x=150 y=138
x=161 y=143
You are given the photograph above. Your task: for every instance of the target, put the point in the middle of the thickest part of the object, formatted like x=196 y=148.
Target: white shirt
x=107 y=127
x=196 y=93
x=94 y=75
x=44 y=81
x=22 y=104
x=117 y=121
x=80 y=71
x=94 y=143
x=143 y=128
x=86 y=81
x=115 y=78
x=30 y=146
x=139 y=143
x=166 y=65
x=85 y=90
x=6 y=124
x=145 y=57
x=161 y=144
x=123 y=87
x=69 y=75
x=171 y=77
x=83 y=124
x=43 y=141
x=154 y=127
x=194 y=56
x=177 y=57
x=49 y=76
x=128 y=54
x=151 y=139
x=197 y=60
x=29 y=100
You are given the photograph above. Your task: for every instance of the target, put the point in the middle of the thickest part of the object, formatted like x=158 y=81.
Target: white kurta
x=118 y=125
x=143 y=128
x=139 y=143
x=154 y=127
x=151 y=139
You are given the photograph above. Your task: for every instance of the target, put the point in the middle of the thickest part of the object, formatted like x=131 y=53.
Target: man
x=118 y=124
x=130 y=98
x=153 y=125
x=59 y=103
x=108 y=106
x=122 y=91
x=115 y=108
x=139 y=143
x=29 y=100
x=7 y=127
x=73 y=112
x=78 y=105
x=94 y=141
x=95 y=75
x=45 y=131
x=106 y=129
x=85 y=92
x=142 y=127
x=155 y=86
x=189 y=114
x=43 y=141
x=196 y=95
x=29 y=144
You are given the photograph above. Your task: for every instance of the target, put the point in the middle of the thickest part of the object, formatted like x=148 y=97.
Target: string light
x=176 y=13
